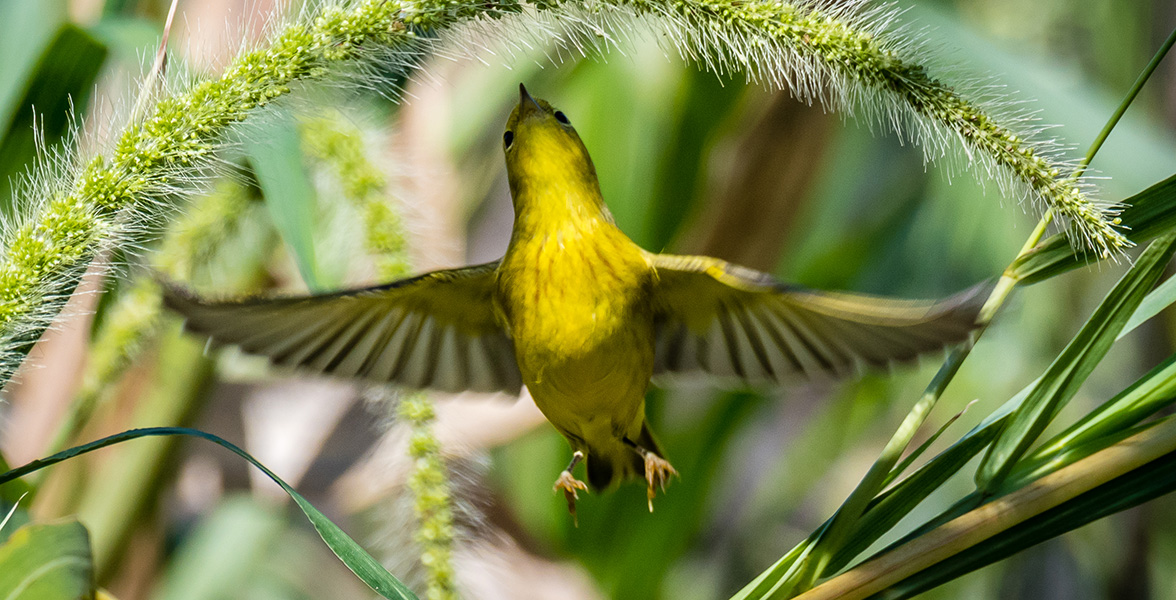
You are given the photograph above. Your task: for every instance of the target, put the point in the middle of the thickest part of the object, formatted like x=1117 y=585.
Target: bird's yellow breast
x=569 y=290
x=576 y=302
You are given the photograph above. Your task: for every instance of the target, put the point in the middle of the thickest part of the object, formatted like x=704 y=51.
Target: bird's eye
x=507 y=138
x=562 y=118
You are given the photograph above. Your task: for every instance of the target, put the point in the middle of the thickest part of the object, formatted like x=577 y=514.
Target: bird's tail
x=611 y=466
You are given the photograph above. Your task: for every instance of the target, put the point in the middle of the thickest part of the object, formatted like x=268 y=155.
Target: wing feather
x=723 y=319
x=437 y=330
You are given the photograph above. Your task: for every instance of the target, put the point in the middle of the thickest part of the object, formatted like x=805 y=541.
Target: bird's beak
x=527 y=104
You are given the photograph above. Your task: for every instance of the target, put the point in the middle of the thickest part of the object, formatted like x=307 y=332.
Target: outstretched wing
x=719 y=318
x=434 y=331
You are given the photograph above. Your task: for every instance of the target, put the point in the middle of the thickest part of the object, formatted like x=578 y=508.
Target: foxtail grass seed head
x=429 y=485
x=66 y=224
x=339 y=145
x=846 y=55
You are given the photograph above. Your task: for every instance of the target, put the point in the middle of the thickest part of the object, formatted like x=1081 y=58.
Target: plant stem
x=122 y=491
x=881 y=471
x=1126 y=103
x=855 y=505
x=999 y=515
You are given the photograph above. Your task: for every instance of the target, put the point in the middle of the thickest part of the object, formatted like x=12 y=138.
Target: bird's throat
x=563 y=211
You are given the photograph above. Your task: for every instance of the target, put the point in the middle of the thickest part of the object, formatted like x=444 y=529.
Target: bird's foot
x=657 y=473
x=568 y=484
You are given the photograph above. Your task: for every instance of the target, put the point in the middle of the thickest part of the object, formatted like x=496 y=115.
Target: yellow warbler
x=580 y=315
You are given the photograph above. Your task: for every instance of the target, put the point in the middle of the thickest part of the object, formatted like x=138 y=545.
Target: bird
x=582 y=316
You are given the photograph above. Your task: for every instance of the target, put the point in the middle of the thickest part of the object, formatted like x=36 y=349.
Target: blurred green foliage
x=761 y=468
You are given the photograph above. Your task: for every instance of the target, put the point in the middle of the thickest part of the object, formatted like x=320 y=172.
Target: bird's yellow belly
x=584 y=341
x=594 y=394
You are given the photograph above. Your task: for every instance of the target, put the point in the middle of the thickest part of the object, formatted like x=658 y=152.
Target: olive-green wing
x=436 y=331
x=719 y=318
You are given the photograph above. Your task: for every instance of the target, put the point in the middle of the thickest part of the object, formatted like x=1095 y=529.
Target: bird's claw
x=657 y=473
x=568 y=485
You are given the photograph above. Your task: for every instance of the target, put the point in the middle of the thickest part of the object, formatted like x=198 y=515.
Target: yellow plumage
x=582 y=316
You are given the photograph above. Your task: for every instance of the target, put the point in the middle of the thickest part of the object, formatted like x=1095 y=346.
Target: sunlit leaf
x=1073 y=365
x=1160 y=298
x=1136 y=487
x=1148 y=395
x=47 y=562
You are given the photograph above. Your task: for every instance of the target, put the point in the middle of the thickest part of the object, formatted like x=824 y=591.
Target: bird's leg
x=657 y=470
x=569 y=484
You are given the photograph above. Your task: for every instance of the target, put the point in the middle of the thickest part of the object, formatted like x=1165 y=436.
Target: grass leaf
x=1160 y=298
x=274 y=150
x=1149 y=394
x=1140 y=485
x=1147 y=214
x=1071 y=368
x=926 y=550
x=367 y=568
x=47 y=562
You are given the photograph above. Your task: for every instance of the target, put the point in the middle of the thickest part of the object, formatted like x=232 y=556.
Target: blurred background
x=689 y=163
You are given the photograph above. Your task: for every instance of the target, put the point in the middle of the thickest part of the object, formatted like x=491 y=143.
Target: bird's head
x=544 y=155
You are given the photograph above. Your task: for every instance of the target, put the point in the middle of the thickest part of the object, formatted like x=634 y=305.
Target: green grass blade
x=914 y=455
x=1132 y=489
x=771 y=582
x=926 y=550
x=888 y=509
x=1160 y=298
x=1102 y=428
x=47 y=562
x=1147 y=215
x=1073 y=365
x=274 y=150
x=1149 y=394
x=367 y=568
x=845 y=520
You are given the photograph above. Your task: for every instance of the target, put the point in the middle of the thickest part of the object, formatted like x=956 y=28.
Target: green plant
x=1110 y=459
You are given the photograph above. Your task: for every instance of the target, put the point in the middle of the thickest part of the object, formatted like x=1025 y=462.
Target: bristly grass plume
x=846 y=55
x=339 y=146
x=849 y=56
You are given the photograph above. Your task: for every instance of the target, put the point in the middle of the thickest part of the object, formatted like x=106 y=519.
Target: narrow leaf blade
x=1147 y=215
x=1132 y=489
x=367 y=568
x=1073 y=365
x=1160 y=298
